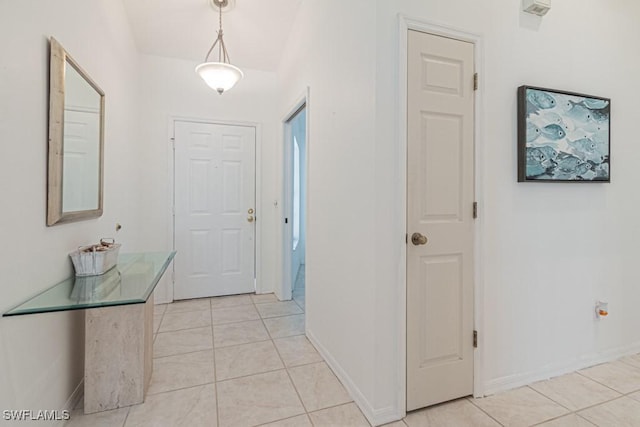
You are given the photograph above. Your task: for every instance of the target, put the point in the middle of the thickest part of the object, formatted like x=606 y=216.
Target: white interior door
x=440 y=198
x=214 y=210
x=81 y=172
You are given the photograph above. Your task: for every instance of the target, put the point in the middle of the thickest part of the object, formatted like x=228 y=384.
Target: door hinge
x=475 y=81
x=475 y=210
x=286 y=220
x=475 y=339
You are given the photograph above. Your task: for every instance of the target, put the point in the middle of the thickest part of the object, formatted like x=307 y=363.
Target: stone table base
x=118 y=356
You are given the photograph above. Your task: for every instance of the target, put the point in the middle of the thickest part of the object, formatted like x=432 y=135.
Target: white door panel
x=440 y=168
x=215 y=191
x=81 y=172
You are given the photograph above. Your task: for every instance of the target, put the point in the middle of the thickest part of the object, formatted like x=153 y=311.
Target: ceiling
x=255 y=31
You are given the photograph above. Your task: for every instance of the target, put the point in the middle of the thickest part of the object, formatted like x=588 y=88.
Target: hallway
x=244 y=361
x=233 y=361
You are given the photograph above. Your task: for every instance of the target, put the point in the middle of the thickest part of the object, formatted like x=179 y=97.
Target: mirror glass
x=76 y=129
x=81 y=142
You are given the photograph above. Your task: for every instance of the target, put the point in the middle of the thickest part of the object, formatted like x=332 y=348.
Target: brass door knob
x=250 y=211
x=419 y=239
x=250 y=218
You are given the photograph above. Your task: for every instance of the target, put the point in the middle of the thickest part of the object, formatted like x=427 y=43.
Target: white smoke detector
x=537 y=7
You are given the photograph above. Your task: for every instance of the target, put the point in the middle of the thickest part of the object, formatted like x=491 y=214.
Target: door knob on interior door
x=250 y=218
x=419 y=239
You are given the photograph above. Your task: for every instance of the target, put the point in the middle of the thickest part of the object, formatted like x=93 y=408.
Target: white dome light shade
x=219 y=75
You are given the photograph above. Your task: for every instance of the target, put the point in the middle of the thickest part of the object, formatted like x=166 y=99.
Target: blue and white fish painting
x=533 y=132
x=566 y=136
x=579 y=113
x=595 y=104
x=556 y=119
x=540 y=99
x=584 y=145
x=549 y=152
x=537 y=162
x=569 y=163
x=601 y=115
x=553 y=132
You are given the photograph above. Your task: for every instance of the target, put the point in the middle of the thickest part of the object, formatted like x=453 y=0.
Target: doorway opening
x=295 y=205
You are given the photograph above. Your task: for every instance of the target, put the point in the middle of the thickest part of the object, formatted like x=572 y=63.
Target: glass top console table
x=118 y=344
x=131 y=281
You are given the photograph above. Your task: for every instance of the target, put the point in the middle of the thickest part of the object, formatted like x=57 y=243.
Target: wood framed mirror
x=76 y=141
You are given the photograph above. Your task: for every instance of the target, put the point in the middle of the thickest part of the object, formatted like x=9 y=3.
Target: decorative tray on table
x=95 y=260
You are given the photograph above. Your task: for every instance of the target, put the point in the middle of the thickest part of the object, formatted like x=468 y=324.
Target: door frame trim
x=258 y=177
x=286 y=282
x=405 y=24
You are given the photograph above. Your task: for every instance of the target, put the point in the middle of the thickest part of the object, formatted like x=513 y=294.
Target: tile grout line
x=176 y=389
x=598 y=382
x=282 y=419
x=549 y=398
x=287 y=371
x=180 y=354
x=280 y=316
x=246 y=343
x=186 y=352
x=481 y=410
x=344 y=404
x=126 y=417
x=215 y=391
x=552 y=419
x=627 y=363
x=250 y=375
x=586 y=420
x=215 y=374
x=604 y=402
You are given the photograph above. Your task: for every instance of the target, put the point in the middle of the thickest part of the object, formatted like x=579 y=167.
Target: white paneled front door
x=440 y=198
x=81 y=172
x=214 y=209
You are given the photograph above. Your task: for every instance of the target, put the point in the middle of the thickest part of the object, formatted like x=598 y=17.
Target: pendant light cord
x=220 y=32
x=223 y=56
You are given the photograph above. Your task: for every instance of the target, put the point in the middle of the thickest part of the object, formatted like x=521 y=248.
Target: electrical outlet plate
x=537 y=7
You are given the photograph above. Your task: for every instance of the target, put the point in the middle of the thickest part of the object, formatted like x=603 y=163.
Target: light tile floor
x=244 y=361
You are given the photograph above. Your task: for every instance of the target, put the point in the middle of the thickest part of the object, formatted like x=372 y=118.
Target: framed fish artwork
x=563 y=136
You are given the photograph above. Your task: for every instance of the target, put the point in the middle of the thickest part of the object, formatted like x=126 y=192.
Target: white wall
x=41 y=356
x=332 y=50
x=170 y=87
x=548 y=251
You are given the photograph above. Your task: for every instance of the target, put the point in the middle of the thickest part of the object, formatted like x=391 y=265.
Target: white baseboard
x=375 y=416
x=556 y=369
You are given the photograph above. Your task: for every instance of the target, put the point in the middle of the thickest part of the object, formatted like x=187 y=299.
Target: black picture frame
x=563 y=136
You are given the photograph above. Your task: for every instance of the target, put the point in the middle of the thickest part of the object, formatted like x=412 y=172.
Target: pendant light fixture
x=220 y=75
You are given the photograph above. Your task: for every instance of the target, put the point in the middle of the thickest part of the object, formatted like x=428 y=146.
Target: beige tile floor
x=244 y=361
